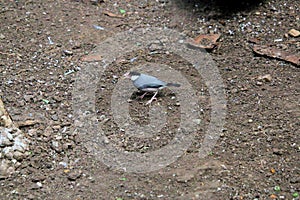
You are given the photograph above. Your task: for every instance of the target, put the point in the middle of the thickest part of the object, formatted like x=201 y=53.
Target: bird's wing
x=150 y=86
x=146 y=81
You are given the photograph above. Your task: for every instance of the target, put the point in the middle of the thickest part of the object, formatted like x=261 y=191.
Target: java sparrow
x=147 y=83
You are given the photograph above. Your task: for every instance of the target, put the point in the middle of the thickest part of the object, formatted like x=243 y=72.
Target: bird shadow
x=161 y=94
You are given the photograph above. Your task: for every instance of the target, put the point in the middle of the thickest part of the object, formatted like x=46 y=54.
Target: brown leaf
x=110 y=14
x=294 y=33
x=27 y=123
x=208 y=41
x=254 y=40
x=91 y=58
x=277 y=53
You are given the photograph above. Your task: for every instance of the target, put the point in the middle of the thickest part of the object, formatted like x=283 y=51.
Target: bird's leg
x=152 y=98
x=141 y=97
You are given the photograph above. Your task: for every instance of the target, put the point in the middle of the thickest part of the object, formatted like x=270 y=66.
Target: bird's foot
x=141 y=97
x=150 y=101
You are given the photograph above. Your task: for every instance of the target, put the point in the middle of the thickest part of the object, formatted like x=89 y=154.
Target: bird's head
x=132 y=75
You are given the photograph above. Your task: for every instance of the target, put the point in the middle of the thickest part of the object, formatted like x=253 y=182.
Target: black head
x=131 y=74
x=134 y=73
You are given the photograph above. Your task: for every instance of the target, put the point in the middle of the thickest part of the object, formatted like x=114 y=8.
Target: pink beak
x=127 y=75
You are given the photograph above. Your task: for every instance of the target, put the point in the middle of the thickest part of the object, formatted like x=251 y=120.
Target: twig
x=27 y=123
x=9 y=54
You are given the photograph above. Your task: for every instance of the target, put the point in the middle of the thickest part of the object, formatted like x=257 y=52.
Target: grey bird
x=147 y=83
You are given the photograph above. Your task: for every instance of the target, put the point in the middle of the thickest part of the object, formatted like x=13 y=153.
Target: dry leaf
x=272 y=170
x=27 y=123
x=277 y=53
x=110 y=14
x=208 y=41
x=254 y=40
x=294 y=32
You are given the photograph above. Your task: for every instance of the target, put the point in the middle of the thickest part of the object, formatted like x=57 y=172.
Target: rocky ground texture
x=45 y=44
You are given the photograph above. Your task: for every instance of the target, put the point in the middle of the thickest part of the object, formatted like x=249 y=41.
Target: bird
x=147 y=83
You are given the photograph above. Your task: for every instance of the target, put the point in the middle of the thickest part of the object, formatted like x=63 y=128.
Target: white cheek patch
x=134 y=77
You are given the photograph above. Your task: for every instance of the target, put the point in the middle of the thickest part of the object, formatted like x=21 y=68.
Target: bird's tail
x=173 y=84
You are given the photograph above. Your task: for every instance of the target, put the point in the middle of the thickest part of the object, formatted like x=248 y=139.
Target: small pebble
x=277 y=151
x=72 y=176
x=197 y=121
x=106 y=141
x=39 y=184
x=56 y=127
x=68 y=52
x=54 y=117
x=259 y=83
x=18 y=155
x=31 y=196
x=64 y=164
x=266 y=78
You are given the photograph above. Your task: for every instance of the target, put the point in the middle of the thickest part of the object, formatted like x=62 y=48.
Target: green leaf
x=45 y=101
x=122 y=11
x=277 y=188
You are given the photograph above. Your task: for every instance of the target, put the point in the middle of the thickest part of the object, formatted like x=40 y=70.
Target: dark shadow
x=217 y=9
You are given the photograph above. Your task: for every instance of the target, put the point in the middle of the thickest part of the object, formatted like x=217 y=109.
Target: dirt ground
x=257 y=154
